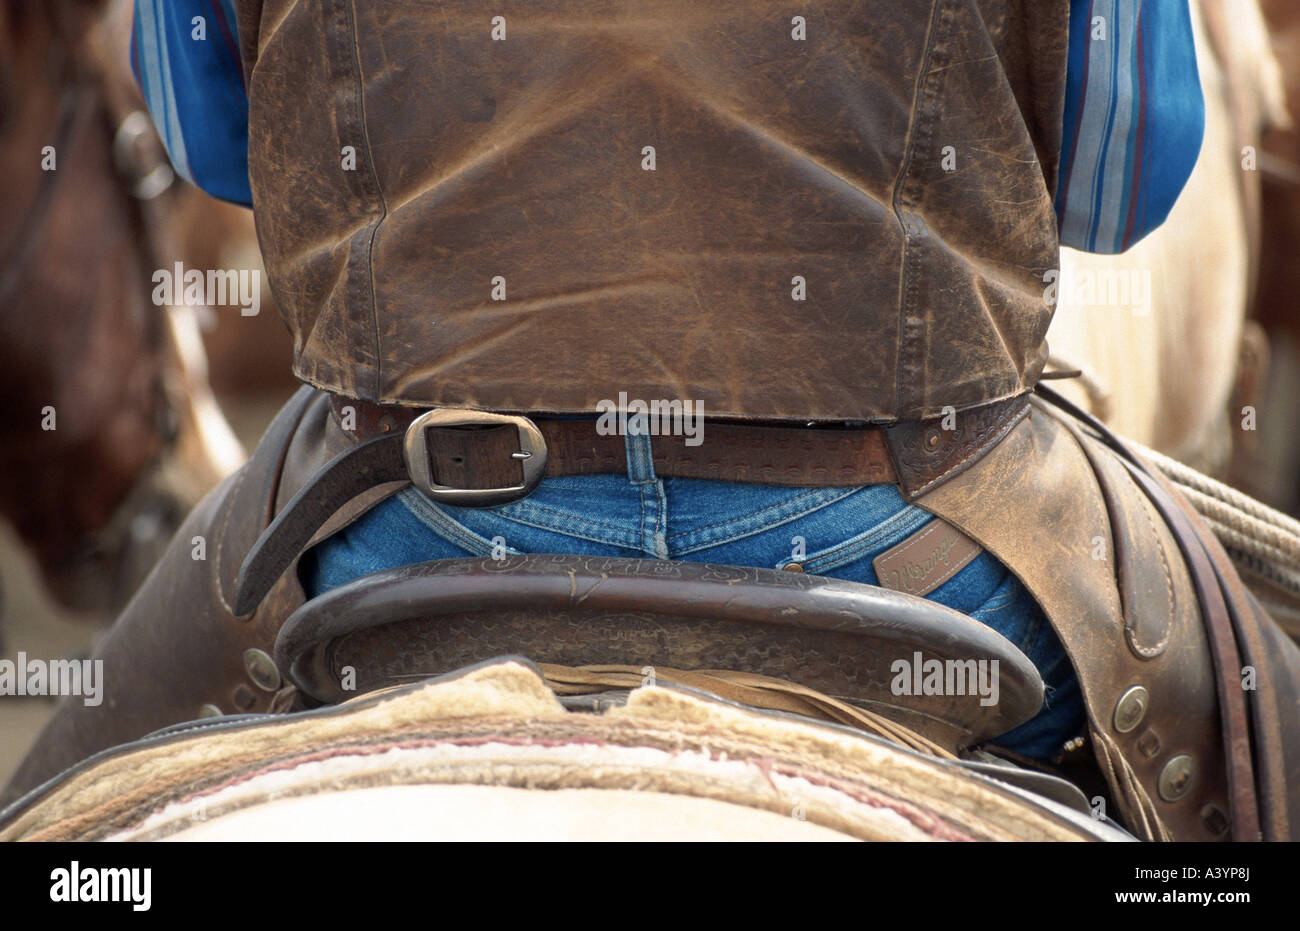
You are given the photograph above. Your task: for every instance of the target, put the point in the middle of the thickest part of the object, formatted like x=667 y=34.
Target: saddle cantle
x=871 y=647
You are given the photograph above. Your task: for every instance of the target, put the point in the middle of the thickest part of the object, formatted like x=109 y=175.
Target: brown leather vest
x=836 y=211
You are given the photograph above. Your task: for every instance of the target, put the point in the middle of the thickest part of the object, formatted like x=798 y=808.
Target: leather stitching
x=378 y=193
x=1159 y=647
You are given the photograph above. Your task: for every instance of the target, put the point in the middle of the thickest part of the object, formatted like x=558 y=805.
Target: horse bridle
x=98 y=96
x=33 y=222
x=138 y=155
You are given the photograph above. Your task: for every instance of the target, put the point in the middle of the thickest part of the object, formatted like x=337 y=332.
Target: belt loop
x=640 y=456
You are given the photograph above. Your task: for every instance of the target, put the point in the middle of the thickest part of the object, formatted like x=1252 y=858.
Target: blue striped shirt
x=1133 y=121
x=1134 y=118
x=195 y=90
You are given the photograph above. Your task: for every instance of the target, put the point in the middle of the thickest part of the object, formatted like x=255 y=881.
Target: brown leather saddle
x=937 y=672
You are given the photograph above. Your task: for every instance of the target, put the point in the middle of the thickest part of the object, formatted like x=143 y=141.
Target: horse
x=1158 y=338
x=112 y=432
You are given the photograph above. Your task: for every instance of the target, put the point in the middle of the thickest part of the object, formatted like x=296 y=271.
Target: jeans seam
x=754 y=529
x=443 y=524
x=1032 y=630
x=997 y=601
x=640 y=457
x=788 y=502
x=614 y=537
x=540 y=523
x=906 y=521
x=661 y=539
x=453 y=531
x=650 y=538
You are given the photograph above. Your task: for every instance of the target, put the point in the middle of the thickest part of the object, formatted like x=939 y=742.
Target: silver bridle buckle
x=531 y=453
x=149 y=172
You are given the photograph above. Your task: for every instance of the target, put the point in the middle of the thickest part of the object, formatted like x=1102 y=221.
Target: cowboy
x=829 y=229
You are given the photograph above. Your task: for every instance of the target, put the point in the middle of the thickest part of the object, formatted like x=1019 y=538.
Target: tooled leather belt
x=472 y=458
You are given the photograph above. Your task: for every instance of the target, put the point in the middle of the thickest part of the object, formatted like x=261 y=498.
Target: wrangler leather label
x=926 y=559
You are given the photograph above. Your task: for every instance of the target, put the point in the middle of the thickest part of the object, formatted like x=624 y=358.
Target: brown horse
x=109 y=434
x=1272 y=473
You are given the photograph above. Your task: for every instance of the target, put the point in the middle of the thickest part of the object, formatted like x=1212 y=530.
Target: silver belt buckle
x=532 y=453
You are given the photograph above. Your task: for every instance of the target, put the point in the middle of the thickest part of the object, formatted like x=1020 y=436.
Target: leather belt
x=469 y=455
x=473 y=458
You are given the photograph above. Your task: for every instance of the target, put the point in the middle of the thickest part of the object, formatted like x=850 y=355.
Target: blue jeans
x=841 y=531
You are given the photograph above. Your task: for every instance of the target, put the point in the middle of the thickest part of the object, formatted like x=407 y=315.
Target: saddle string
x=745 y=688
x=1099 y=396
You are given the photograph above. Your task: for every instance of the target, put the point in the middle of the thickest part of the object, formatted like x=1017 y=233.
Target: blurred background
x=120 y=413
x=152 y=405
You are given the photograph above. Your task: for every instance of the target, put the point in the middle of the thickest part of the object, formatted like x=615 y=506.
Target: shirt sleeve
x=1134 y=120
x=185 y=55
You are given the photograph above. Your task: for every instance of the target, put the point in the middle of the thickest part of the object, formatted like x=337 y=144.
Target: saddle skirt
x=490 y=752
